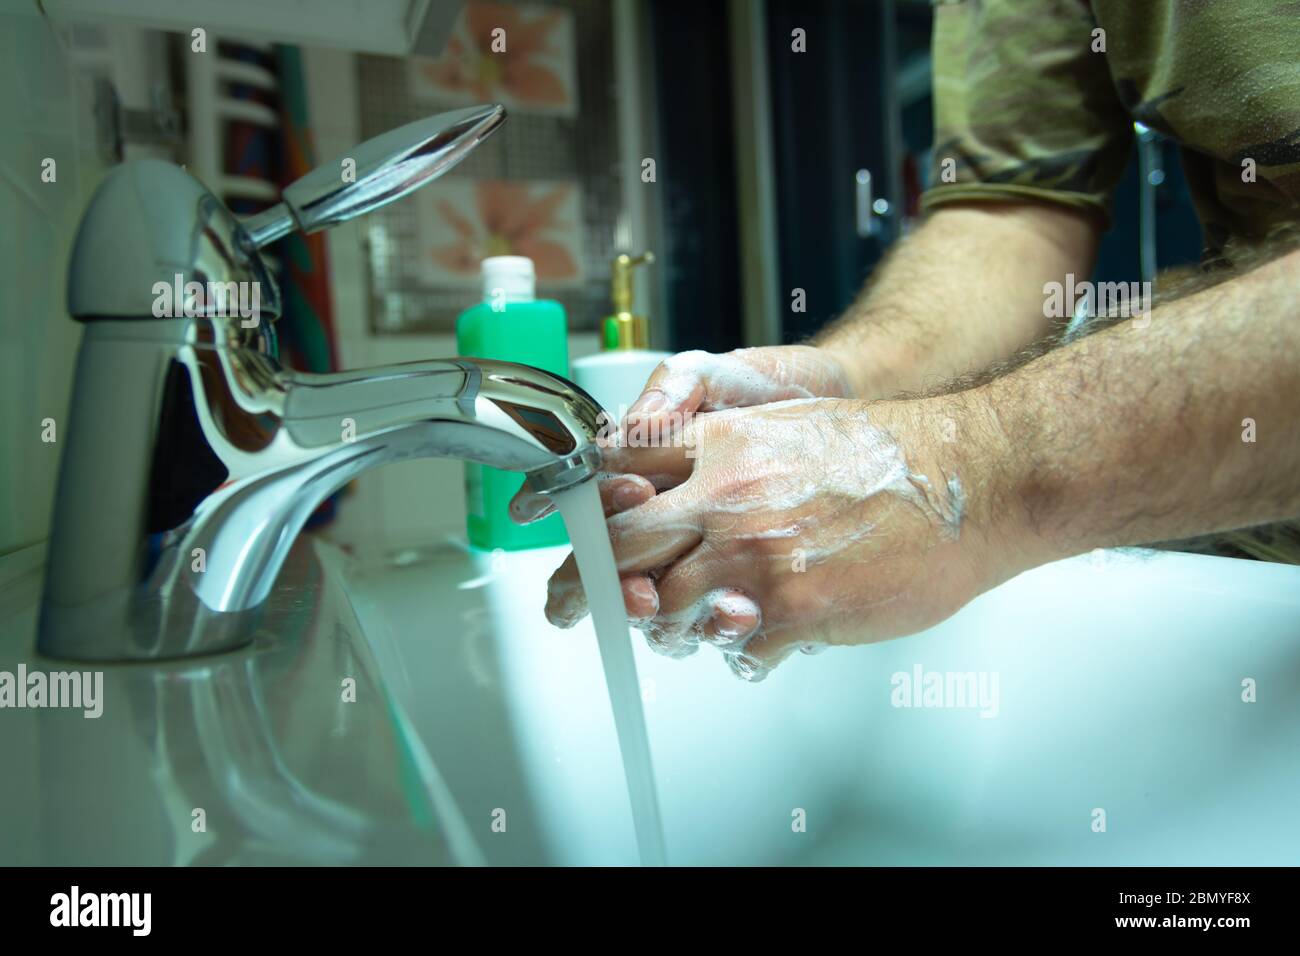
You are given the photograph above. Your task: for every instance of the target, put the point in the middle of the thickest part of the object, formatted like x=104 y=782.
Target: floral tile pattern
x=463 y=221
x=521 y=56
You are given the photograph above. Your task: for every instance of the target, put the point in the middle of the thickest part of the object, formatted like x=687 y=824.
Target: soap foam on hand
x=752 y=496
x=706 y=382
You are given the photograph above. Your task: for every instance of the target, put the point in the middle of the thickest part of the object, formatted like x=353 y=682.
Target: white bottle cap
x=509 y=279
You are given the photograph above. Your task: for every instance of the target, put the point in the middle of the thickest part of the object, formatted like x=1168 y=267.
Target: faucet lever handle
x=374 y=174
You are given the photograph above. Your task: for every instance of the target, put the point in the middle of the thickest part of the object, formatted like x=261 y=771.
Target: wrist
x=1013 y=485
x=970 y=444
x=877 y=367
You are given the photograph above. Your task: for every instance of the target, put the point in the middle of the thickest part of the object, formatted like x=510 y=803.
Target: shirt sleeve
x=1023 y=106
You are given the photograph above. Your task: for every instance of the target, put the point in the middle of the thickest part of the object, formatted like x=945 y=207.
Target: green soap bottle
x=511 y=325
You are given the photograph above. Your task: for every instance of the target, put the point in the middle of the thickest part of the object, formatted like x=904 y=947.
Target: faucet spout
x=238 y=453
x=192 y=459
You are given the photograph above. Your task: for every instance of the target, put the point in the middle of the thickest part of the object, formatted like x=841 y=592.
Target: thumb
x=679 y=385
x=697 y=381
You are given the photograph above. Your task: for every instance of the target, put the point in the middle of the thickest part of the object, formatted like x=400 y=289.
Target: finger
x=715 y=597
x=675 y=386
x=664 y=459
x=667 y=640
x=761 y=653
x=697 y=381
x=734 y=617
x=657 y=533
x=528 y=506
x=566 y=601
x=702 y=598
x=617 y=493
x=674 y=635
x=724 y=618
x=640 y=597
x=713 y=591
x=622 y=492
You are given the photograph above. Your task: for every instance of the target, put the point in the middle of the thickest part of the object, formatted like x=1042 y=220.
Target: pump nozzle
x=622 y=329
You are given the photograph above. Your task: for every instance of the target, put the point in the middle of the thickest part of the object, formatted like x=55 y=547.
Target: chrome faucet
x=193 y=458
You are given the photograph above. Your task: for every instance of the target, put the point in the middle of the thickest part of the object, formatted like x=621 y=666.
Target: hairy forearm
x=1142 y=432
x=964 y=291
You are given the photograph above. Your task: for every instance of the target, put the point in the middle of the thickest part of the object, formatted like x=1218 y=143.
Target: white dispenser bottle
x=615 y=375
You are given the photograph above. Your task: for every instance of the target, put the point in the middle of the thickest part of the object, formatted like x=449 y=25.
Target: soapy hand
x=802 y=524
x=690 y=382
x=696 y=381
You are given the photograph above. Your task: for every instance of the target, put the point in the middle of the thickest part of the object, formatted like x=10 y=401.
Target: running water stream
x=585 y=520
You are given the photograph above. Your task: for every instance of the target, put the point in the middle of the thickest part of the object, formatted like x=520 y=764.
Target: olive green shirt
x=1035 y=99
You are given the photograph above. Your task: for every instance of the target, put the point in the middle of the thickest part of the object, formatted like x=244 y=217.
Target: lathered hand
x=691 y=382
x=805 y=523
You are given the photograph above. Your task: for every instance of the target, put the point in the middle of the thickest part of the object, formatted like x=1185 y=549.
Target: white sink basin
x=1120 y=690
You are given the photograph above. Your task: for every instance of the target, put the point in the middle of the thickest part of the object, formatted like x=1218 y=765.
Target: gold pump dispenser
x=622 y=329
